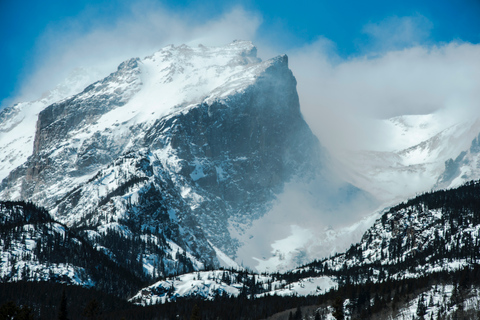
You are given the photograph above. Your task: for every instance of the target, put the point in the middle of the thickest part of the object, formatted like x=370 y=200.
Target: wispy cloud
x=396 y=33
x=142 y=30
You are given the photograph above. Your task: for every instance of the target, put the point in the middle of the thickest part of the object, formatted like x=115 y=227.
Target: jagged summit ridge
x=167 y=82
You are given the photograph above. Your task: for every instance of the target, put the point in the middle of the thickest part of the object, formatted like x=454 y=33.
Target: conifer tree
x=421 y=308
x=62 y=313
x=195 y=313
x=298 y=314
x=338 y=309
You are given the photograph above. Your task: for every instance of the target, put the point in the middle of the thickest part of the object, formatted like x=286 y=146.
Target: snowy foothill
x=210 y=284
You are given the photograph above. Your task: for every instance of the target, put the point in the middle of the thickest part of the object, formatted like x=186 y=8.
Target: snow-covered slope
x=34 y=247
x=436 y=234
x=441 y=302
x=209 y=285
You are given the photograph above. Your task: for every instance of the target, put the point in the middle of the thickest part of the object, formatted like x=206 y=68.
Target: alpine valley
x=187 y=184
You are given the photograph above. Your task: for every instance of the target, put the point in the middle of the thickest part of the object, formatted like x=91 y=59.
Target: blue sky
x=35 y=33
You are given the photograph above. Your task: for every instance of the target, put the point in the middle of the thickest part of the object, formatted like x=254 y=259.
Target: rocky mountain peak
x=193 y=142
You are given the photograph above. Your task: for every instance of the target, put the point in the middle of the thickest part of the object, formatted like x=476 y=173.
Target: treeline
x=44 y=300
x=366 y=301
x=85 y=303
x=465 y=198
x=129 y=250
x=57 y=244
x=16 y=213
x=453 y=239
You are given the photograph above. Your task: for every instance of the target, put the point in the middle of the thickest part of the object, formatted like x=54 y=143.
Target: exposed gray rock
x=465 y=167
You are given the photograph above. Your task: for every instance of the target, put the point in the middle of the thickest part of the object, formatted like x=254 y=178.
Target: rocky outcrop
x=465 y=167
x=56 y=122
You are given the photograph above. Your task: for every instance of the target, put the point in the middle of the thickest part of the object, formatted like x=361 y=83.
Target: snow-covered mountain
x=412 y=157
x=420 y=257
x=192 y=149
x=193 y=159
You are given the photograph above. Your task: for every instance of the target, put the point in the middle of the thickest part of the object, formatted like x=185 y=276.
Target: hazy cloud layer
x=339 y=98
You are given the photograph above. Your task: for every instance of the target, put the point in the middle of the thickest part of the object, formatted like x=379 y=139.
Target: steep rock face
x=465 y=167
x=235 y=155
x=59 y=125
x=17 y=122
x=179 y=148
x=58 y=120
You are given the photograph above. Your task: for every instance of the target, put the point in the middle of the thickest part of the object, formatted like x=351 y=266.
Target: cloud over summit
x=142 y=30
x=397 y=71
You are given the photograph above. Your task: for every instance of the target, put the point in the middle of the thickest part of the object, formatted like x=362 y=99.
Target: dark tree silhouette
x=338 y=309
x=62 y=312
